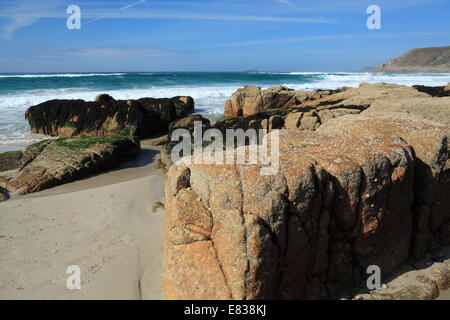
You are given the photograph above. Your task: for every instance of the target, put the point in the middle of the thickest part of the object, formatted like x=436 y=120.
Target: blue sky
x=214 y=35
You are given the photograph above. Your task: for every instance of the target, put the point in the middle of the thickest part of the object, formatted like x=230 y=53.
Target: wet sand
x=103 y=224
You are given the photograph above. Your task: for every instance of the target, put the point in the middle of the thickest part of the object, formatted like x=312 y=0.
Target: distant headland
x=429 y=60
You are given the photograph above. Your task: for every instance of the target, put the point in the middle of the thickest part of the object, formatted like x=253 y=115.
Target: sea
x=209 y=90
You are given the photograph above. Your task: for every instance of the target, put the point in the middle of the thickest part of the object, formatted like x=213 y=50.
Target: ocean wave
x=337 y=80
x=14 y=129
x=295 y=73
x=209 y=97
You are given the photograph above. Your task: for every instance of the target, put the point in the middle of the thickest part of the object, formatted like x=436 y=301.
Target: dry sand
x=104 y=224
x=444 y=295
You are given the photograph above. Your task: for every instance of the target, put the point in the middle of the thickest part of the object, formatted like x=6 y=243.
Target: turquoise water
x=210 y=90
x=119 y=81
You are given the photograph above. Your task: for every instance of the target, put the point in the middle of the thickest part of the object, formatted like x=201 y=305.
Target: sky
x=214 y=35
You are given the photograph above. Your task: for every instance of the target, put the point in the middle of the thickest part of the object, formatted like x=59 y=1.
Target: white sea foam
x=209 y=100
x=15 y=132
x=337 y=80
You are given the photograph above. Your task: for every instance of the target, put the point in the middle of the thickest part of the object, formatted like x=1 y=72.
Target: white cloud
x=194 y=16
x=120 y=9
x=15 y=24
x=114 y=53
x=287 y=2
x=98 y=53
x=23 y=13
x=331 y=37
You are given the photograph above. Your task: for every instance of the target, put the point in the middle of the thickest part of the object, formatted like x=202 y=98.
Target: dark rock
x=433 y=91
x=104 y=98
x=157 y=205
x=159 y=113
x=106 y=116
x=3 y=195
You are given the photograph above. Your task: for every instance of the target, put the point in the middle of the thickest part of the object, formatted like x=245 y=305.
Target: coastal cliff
x=429 y=60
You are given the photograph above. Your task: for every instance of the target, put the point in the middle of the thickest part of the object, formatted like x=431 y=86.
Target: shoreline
x=209 y=91
x=102 y=223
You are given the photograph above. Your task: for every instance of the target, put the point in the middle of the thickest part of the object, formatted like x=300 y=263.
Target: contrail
x=132 y=5
x=120 y=9
x=287 y=2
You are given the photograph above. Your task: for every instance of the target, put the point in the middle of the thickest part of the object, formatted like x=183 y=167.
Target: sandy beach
x=104 y=224
x=444 y=295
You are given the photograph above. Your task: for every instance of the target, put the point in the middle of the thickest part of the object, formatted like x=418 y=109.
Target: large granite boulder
x=435 y=109
x=260 y=120
x=252 y=100
x=54 y=162
x=432 y=168
x=335 y=206
x=365 y=95
x=291 y=118
x=164 y=160
x=105 y=116
x=447 y=89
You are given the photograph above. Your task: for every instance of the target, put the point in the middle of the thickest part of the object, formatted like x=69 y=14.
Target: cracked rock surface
x=54 y=162
x=362 y=190
x=336 y=206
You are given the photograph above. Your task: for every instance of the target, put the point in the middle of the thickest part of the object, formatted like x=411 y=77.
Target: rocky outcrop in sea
x=106 y=116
